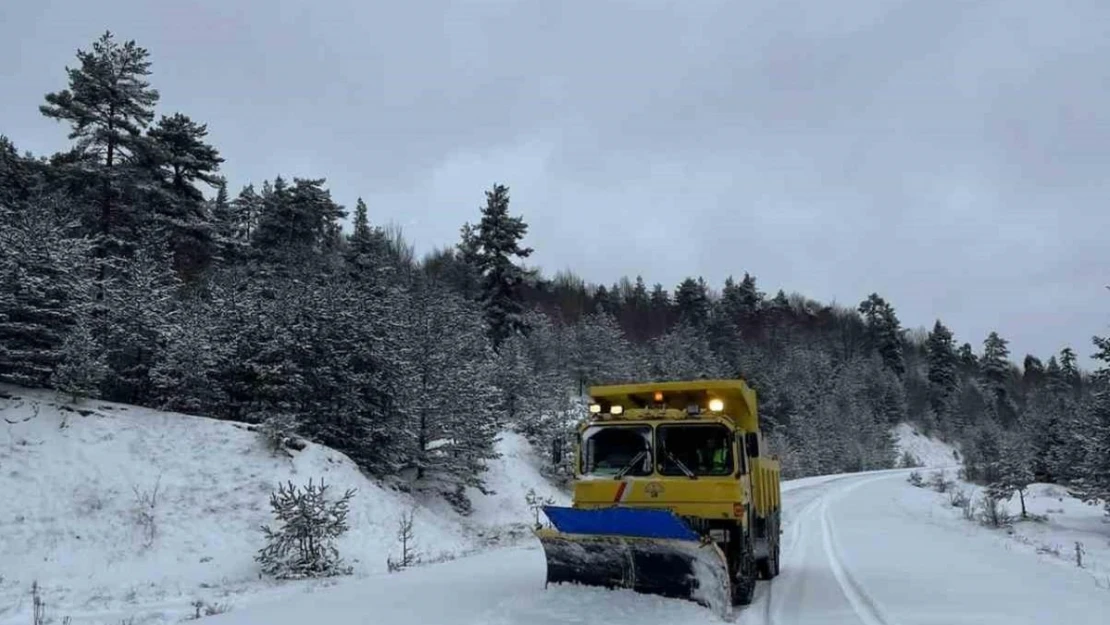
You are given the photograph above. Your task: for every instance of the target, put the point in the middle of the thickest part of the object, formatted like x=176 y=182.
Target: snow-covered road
x=864 y=548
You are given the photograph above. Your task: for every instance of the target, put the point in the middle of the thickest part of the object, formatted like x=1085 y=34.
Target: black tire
x=768 y=567
x=777 y=551
x=744 y=571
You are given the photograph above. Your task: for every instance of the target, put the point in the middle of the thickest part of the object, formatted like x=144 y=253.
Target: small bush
x=967 y=507
x=304 y=545
x=1049 y=550
x=992 y=512
x=908 y=460
x=958 y=497
x=208 y=609
x=279 y=431
x=916 y=479
x=939 y=482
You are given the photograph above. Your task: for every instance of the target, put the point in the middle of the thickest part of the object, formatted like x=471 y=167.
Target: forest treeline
x=130 y=272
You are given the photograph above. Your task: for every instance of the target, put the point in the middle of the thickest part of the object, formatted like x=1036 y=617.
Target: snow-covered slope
x=72 y=476
x=928 y=451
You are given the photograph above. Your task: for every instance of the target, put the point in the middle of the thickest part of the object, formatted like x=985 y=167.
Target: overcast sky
x=950 y=155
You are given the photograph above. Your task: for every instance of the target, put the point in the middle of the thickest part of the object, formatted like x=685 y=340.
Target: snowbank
x=1056 y=523
x=929 y=452
x=72 y=477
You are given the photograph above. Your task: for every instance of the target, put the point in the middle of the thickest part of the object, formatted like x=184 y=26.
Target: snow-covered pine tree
x=996 y=372
x=885 y=331
x=303 y=545
x=451 y=394
x=1015 y=467
x=942 y=359
x=498 y=241
x=141 y=304
x=599 y=352
x=684 y=353
x=107 y=105
x=186 y=376
x=82 y=367
x=45 y=287
x=180 y=158
x=692 y=302
x=1093 y=478
x=247 y=208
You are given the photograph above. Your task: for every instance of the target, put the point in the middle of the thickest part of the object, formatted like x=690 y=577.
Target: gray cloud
x=950 y=155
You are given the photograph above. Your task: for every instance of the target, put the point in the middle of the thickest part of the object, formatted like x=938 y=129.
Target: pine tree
x=692 y=302
x=108 y=104
x=995 y=370
x=45 y=286
x=1093 y=478
x=1015 y=468
x=140 y=306
x=178 y=157
x=941 y=355
x=247 y=208
x=498 y=241
x=885 y=331
x=452 y=398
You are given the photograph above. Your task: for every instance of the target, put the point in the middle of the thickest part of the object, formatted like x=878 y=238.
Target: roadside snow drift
x=74 y=480
x=928 y=451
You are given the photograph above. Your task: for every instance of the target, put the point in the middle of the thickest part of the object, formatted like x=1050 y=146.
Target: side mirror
x=557 y=451
x=751 y=439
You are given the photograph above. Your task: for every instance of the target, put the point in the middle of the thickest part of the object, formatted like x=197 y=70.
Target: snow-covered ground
x=928 y=451
x=1055 y=524
x=864 y=548
x=71 y=477
x=858 y=548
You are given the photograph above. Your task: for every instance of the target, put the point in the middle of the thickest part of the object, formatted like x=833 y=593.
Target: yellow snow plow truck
x=675 y=494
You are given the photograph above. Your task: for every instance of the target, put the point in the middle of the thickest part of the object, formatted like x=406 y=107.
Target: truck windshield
x=612 y=449
x=703 y=449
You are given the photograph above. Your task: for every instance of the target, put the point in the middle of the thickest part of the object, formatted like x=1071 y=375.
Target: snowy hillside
x=74 y=478
x=929 y=452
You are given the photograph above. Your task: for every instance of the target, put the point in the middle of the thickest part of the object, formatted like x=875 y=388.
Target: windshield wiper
x=632 y=463
x=690 y=474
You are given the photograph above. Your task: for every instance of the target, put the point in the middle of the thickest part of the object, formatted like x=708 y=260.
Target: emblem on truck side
x=654 y=489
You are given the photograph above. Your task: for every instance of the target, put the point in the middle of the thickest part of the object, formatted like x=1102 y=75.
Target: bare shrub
x=405 y=536
x=146 y=504
x=916 y=479
x=1052 y=550
x=958 y=497
x=209 y=609
x=536 y=503
x=968 y=509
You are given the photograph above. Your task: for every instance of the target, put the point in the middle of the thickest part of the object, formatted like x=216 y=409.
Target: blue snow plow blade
x=631 y=522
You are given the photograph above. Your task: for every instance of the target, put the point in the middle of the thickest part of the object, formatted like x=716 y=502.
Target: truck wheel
x=777 y=551
x=768 y=565
x=743 y=584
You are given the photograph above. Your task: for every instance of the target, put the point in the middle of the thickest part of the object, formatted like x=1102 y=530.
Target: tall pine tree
x=498 y=241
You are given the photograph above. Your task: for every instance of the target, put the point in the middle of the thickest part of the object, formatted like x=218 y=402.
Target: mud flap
x=648 y=551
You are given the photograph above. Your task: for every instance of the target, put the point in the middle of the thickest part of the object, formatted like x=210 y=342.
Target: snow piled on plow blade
x=648 y=551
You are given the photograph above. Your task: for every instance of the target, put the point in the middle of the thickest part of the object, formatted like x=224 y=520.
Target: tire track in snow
x=793 y=555
x=864 y=605
x=810 y=521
